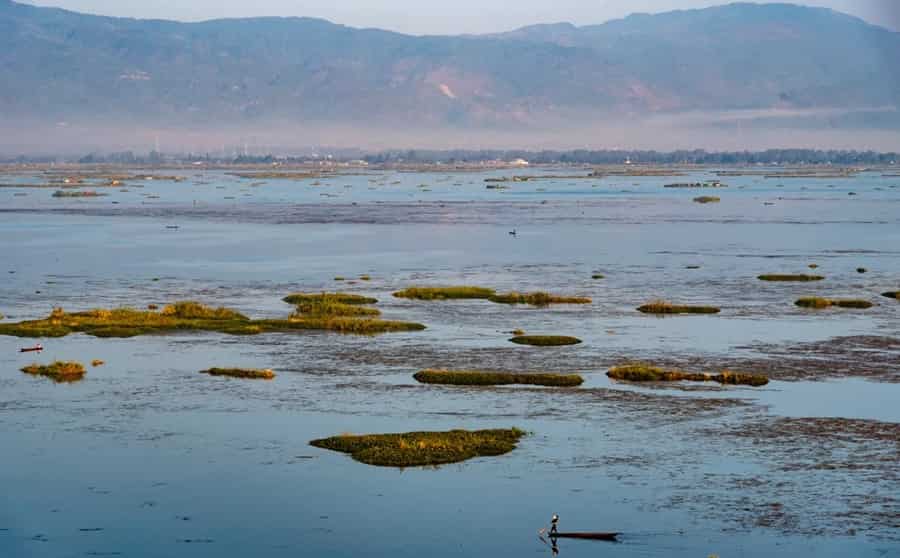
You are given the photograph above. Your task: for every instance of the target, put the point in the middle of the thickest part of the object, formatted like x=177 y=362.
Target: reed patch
x=59 y=371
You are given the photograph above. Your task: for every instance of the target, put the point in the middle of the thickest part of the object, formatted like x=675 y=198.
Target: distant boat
x=586 y=536
x=36 y=348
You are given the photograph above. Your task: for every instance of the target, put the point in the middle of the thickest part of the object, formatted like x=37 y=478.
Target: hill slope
x=74 y=67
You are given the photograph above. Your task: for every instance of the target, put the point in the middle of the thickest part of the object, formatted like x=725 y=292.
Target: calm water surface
x=148 y=458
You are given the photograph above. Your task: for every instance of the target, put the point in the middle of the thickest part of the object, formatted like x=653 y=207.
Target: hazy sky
x=429 y=16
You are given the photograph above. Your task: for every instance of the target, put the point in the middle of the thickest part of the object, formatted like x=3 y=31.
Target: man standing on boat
x=553 y=523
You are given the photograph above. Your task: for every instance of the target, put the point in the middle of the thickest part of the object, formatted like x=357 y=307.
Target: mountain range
x=762 y=69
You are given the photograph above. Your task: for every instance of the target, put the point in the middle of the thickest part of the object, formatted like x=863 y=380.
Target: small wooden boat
x=36 y=348
x=586 y=536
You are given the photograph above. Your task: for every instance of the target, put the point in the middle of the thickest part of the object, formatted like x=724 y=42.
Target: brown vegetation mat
x=823 y=476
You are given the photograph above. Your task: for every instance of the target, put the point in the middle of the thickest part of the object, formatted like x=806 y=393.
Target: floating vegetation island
x=818 y=302
x=337 y=304
x=59 y=371
x=707 y=184
x=707 y=199
x=343 y=298
x=488 y=378
x=640 y=372
x=790 y=277
x=545 y=340
x=249 y=373
x=537 y=299
x=191 y=316
x=481 y=293
x=665 y=307
x=77 y=194
x=892 y=294
x=417 y=449
x=445 y=293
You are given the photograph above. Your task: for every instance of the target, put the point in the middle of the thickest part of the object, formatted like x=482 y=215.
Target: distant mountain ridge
x=70 y=67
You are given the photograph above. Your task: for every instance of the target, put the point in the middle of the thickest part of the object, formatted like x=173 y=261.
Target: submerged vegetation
x=190 y=316
x=545 y=340
x=665 y=307
x=481 y=293
x=820 y=302
x=58 y=371
x=641 y=372
x=487 y=378
x=790 y=277
x=417 y=449
x=250 y=373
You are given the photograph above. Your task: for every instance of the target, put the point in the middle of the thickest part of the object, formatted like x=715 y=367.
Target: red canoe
x=587 y=536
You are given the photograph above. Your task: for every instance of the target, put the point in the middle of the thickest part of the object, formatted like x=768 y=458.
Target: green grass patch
x=665 y=307
x=190 y=310
x=537 y=299
x=59 y=371
x=191 y=316
x=343 y=298
x=417 y=449
x=707 y=199
x=445 y=293
x=817 y=302
x=332 y=305
x=789 y=277
x=545 y=340
x=331 y=308
x=641 y=372
x=482 y=293
x=486 y=378
x=249 y=373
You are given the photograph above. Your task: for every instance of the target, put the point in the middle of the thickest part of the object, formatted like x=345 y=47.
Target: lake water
x=148 y=458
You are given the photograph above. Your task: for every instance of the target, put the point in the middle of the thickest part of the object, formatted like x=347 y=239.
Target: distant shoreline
x=501 y=159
